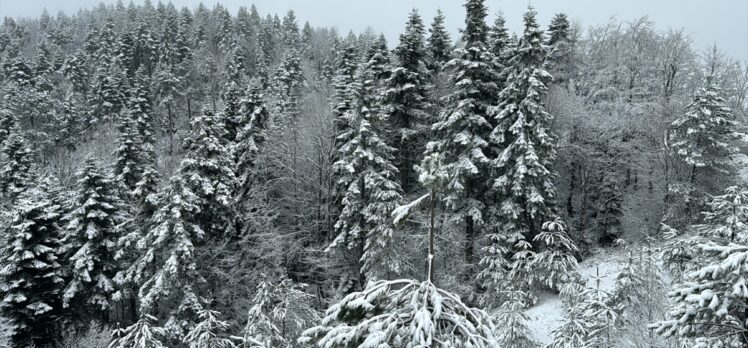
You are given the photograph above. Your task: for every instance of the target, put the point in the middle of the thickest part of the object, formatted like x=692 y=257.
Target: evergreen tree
x=279 y=306
x=463 y=127
x=237 y=63
x=253 y=118
x=406 y=100
x=560 y=48
x=345 y=75
x=378 y=63
x=196 y=207
x=601 y=314
x=8 y=124
x=142 y=334
x=128 y=154
x=709 y=304
x=90 y=240
x=575 y=328
x=439 y=43
x=288 y=83
x=208 y=170
x=524 y=143
x=555 y=263
x=372 y=191
x=498 y=39
x=512 y=322
x=210 y=332
x=702 y=138
x=29 y=268
x=229 y=116
x=291 y=35
x=135 y=166
x=16 y=172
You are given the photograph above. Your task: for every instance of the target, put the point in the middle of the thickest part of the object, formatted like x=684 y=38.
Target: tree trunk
x=432 y=252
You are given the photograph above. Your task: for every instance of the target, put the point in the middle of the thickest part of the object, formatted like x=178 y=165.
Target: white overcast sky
x=724 y=22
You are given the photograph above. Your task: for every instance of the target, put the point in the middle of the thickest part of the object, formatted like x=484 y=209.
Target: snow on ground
x=548 y=313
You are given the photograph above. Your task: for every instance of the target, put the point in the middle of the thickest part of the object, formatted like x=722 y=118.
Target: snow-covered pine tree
x=237 y=63
x=439 y=43
x=8 y=124
x=640 y=296
x=710 y=302
x=601 y=313
x=363 y=226
x=224 y=31
x=560 y=48
x=291 y=35
x=279 y=310
x=288 y=84
x=167 y=91
x=29 y=267
x=68 y=116
x=108 y=89
x=253 y=121
x=16 y=173
x=494 y=265
x=703 y=137
x=90 y=240
x=463 y=127
x=345 y=75
x=135 y=166
x=498 y=40
x=406 y=101
x=403 y=312
x=210 y=332
x=208 y=170
x=511 y=321
x=229 y=115
x=196 y=206
x=127 y=169
x=525 y=144
x=378 y=63
x=575 y=328
x=555 y=264
x=142 y=334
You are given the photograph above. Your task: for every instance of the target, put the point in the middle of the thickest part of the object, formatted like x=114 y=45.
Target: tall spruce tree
x=363 y=226
x=703 y=137
x=439 y=43
x=524 y=187
x=407 y=102
x=16 y=173
x=559 y=48
x=464 y=126
x=253 y=119
x=90 y=240
x=499 y=44
x=29 y=268
x=345 y=74
x=196 y=206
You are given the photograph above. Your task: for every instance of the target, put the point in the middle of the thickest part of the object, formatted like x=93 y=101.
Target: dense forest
x=207 y=179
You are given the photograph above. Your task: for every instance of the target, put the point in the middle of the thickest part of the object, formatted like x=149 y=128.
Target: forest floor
x=548 y=313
